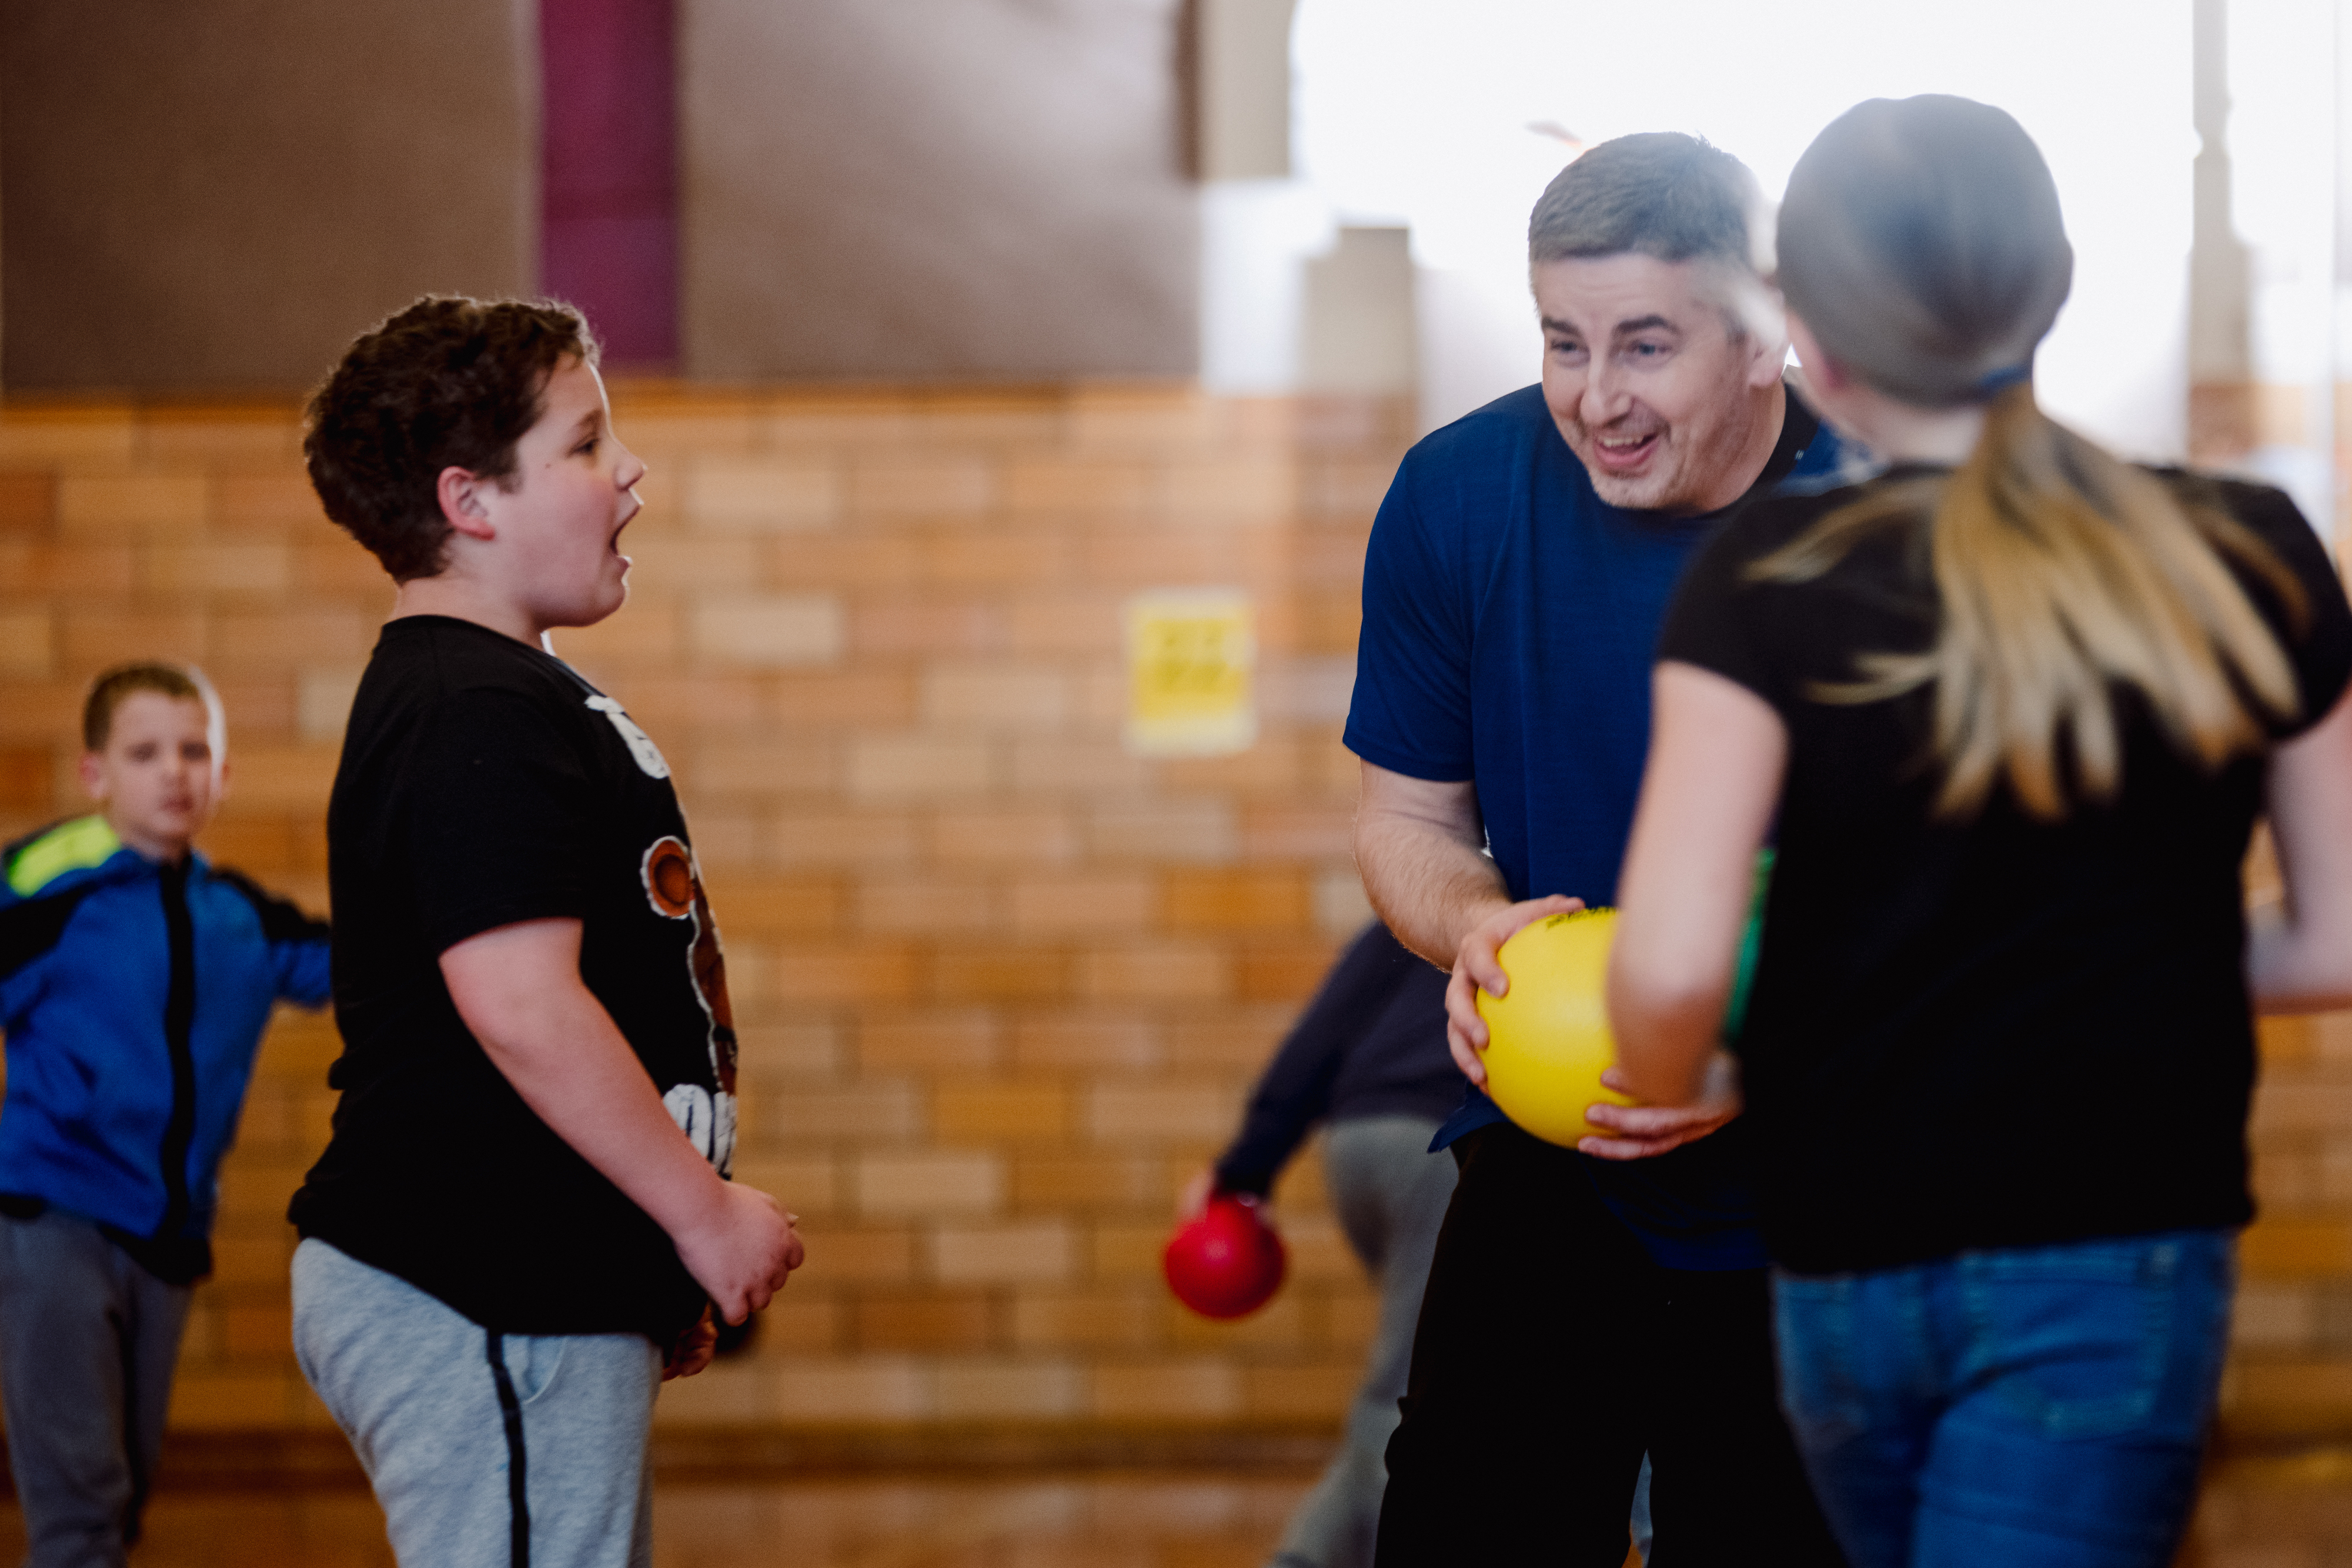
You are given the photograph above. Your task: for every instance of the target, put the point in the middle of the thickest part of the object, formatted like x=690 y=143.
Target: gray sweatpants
x=88 y=1341
x=1390 y=1195
x=485 y=1450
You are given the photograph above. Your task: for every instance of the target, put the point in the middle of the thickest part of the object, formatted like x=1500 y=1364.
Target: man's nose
x=1604 y=398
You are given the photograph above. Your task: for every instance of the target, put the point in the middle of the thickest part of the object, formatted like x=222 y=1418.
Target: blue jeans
x=2028 y=1406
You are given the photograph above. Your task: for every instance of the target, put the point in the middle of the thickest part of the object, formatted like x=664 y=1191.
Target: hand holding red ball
x=1226 y=1261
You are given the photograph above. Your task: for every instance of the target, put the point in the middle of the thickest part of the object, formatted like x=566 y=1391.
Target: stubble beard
x=1647 y=491
x=1682 y=471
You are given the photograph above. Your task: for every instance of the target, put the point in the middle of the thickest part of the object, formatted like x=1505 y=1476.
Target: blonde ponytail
x=2062 y=576
x=1921 y=244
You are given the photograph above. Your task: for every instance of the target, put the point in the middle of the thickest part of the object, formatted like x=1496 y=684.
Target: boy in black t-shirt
x=522 y=1223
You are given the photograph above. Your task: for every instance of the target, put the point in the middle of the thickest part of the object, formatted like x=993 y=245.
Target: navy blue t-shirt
x=1511 y=620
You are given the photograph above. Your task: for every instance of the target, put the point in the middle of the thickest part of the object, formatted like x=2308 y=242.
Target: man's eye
x=586 y=449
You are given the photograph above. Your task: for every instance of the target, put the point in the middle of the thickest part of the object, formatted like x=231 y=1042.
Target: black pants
x=1551 y=1354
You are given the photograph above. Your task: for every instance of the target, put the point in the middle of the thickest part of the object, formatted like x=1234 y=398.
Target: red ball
x=1228 y=1262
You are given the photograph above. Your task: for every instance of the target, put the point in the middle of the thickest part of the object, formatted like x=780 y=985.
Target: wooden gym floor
x=2284 y=1510
x=1095 y=1521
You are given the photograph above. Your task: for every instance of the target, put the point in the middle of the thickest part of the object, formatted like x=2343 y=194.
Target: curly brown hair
x=449 y=382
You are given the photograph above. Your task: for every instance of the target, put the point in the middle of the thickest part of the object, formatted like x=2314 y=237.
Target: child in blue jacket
x=135 y=982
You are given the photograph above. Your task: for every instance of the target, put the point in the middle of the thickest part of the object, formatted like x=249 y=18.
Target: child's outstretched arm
x=297 y=943
x=518 y=989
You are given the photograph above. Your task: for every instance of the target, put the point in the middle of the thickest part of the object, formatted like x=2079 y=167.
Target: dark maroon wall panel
x=608 y=234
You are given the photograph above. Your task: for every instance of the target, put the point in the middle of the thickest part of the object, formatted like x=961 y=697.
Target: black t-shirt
x=2005 y=1032
x=484 y=783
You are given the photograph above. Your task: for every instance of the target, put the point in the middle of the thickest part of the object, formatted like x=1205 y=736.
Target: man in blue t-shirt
x=1585 y=1307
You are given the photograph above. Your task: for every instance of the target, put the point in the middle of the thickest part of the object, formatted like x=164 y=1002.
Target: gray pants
x=88 y=1340
x=485 y=1450
x=1391 y=1194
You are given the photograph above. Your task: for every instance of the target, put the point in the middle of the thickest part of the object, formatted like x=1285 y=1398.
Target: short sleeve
x=1410 y=710
x=498 y=803
x=2321 y=648
x=1707 y=621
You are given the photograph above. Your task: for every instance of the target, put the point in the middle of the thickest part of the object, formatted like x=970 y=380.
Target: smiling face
x=159 y=774
x=1667 y=409
x=556 y=523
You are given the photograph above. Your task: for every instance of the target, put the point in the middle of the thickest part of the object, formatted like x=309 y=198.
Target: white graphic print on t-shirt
x=641 y=745
x=674 y=886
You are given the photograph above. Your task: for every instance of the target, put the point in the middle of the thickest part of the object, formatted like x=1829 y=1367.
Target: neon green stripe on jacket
x=69 y=846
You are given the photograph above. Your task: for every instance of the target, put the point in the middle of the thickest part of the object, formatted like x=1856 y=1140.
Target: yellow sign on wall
x=1189 y=657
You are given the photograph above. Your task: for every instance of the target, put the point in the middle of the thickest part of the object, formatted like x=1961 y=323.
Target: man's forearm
x=1431 y=897
x=1429 y=882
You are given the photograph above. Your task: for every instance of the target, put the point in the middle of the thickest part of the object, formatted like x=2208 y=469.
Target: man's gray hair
x=1660 y=192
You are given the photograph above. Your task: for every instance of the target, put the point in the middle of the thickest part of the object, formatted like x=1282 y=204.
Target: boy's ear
x=94 y=777
x=459 y=491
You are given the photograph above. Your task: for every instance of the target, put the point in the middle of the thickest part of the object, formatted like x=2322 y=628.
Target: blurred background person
x=1367 y=1060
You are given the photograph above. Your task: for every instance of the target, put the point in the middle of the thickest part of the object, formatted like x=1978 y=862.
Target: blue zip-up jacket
x=134 y=995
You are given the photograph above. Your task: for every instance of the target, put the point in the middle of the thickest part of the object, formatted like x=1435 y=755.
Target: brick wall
x=2292 y=1374
x=1002 y=984
x=2292 y=1377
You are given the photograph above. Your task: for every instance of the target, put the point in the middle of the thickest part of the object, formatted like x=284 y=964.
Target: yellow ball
x=1549 y=1035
